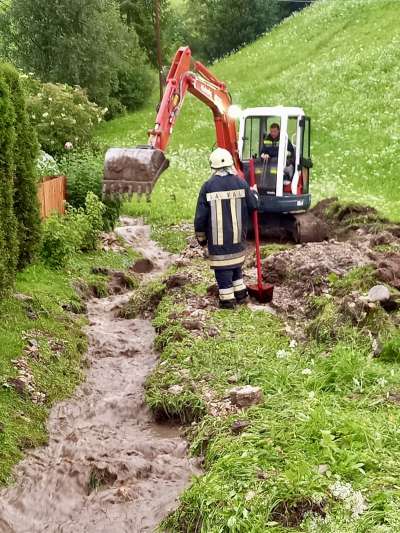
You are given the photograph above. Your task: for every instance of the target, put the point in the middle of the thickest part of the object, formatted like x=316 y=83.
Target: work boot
x=241 y=296
x=227 y=304
x=240 y=291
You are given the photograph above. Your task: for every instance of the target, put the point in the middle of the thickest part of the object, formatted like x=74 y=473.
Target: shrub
x=135 y=80
x=46 y=165
x=70 y=41
x=92 y=218
x=59 y=241
x=63 y=114
x=84 y=170
x=26 y=205
x=8 y=222
x=78 y=230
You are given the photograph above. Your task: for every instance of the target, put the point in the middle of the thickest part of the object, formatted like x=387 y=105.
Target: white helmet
x=221 y=158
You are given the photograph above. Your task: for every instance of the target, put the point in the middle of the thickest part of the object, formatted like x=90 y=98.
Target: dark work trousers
x=230 y=284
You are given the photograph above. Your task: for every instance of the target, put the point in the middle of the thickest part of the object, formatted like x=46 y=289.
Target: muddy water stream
x=108 y=466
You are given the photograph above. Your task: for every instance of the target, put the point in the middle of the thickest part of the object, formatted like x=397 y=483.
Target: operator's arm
x=202 y=217
x=251 y=198
x=265 y=151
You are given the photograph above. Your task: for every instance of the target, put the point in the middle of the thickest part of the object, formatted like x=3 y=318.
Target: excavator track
x=295 y=227
x=308 y=228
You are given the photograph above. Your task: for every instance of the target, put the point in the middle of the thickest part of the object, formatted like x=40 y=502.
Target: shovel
x=263 y=292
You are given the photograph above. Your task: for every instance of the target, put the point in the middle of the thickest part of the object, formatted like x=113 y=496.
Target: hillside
x=340 y=61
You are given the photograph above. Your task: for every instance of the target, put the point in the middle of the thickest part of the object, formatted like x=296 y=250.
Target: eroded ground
x=108 y=466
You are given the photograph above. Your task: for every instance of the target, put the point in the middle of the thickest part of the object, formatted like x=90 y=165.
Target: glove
x=201 y=238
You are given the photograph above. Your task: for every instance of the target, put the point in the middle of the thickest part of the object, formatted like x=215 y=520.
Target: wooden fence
x=52 y=195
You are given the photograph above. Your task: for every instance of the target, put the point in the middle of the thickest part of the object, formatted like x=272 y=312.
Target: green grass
x=58 y=368
x=340 y=62
x=325 y=418
x=327 y=414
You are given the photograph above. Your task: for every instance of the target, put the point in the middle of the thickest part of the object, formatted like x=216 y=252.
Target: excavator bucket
x=132 y=170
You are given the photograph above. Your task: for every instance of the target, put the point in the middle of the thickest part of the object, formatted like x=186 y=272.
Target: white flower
x=353 y=499
x=68 y=145
x=293 y=343
x=282 y=354
x=306 y=371
x=50 y=99
x=52 y=123
x=341 y=491
x=45 y=115
x=381 y=382
x=357 y=504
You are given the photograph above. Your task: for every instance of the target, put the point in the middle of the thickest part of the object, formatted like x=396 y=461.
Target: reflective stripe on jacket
x=271 y=147
x=221 y=218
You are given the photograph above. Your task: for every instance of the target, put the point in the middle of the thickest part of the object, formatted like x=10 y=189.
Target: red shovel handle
x=256 y=228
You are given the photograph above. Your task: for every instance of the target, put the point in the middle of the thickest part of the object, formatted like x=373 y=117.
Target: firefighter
x=223 y=207
x=270 y=147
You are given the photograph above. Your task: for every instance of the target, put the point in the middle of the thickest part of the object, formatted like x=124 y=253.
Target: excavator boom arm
x=136 y=170
x=206 y=87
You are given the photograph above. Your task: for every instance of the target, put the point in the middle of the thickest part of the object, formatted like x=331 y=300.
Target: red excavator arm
x=135 y=170
x=201 y=83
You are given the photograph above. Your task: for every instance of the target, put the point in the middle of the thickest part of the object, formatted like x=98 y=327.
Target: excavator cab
x=283 y=177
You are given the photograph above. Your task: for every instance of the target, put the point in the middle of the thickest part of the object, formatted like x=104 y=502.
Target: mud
x=292 y=514
x=108 y=467
x=303 y=270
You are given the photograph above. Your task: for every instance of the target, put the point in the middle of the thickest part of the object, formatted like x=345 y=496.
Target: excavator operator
x=270 y=147
x=224 y=204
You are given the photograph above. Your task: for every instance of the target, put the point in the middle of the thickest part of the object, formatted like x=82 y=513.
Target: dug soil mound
x=359 y=237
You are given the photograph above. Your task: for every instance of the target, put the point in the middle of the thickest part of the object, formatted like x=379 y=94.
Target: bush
x=63 y=114
x=78 y=230
x=135 y=82
x=8 y=222
x=84 y=171
x=26 y=205
x=79 y=43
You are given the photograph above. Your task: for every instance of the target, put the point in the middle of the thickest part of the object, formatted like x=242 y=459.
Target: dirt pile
x=107 y=467
x=361 y=238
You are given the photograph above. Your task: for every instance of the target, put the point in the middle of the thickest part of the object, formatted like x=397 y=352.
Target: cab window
x=251 y=140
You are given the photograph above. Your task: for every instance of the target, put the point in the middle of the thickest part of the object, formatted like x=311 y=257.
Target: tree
x=225 y=25
x=26 y=205
x=140 y=15
x=217 y=27
x=8 y=223
x=70 y=41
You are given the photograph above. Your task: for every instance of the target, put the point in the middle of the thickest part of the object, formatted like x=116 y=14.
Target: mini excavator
x=284 y=200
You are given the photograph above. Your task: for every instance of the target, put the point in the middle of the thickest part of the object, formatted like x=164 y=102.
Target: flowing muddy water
x=108 y=466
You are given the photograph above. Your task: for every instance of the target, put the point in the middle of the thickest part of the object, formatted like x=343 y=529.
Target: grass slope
x=340 y=61
x=320 y=453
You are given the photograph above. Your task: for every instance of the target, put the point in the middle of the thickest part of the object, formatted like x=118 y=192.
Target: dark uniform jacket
x=221 y=219
x=271 y=147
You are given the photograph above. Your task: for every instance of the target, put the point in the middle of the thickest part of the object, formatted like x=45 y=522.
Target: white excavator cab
x=282 y=135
